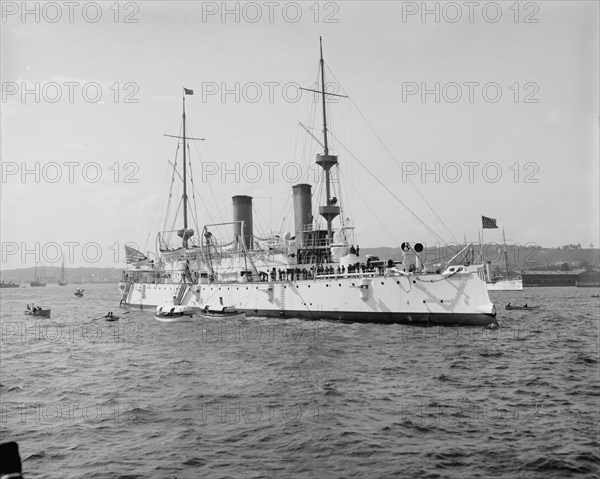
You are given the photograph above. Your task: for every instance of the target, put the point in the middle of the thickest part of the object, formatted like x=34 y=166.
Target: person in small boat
x=525 y=304
x=508 y=305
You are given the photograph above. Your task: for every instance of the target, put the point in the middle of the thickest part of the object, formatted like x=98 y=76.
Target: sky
x=454 y=111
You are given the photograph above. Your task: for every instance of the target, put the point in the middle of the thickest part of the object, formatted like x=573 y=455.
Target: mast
x=327 y=176
x=330 y=210
x=505 y=254
x=185 y=233
x=322 y=65
x=184 y=197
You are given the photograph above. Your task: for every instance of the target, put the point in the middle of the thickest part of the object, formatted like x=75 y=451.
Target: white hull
x=223 y=316
x=458 y=298
x=506 y=285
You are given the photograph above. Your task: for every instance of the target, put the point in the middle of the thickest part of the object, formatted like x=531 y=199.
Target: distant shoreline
x=521 y=258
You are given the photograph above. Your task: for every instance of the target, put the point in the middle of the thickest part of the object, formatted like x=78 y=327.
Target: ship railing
x=317 y=243
x=366 y=274
x=373 y=274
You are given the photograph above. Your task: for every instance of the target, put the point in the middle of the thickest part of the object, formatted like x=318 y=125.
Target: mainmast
x=322 y=66
x=328 y=211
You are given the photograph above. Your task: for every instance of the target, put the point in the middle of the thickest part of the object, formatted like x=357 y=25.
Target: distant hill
x=520 y=258
x=72 y=275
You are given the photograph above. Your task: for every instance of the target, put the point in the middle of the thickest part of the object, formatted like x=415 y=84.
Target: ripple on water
x=322 y=400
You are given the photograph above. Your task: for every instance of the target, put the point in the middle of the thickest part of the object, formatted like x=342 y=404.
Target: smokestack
x=242 y=211
x=302 y=209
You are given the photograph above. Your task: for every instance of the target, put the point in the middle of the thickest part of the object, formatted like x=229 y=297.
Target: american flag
x=132 y=255
x=488 y=223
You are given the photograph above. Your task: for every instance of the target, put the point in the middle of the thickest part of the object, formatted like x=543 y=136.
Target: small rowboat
x=37 y=311
x=520 y=308
x=169 y=313
x=108 y=317
x=221 y=312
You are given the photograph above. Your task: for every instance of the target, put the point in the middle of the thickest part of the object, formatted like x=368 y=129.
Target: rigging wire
x=366 y=203
x=212 y=192
x=158 y=201
x=390 y=192
x=256 y=218
x=195 y=209
x=171 y=188
x=396 y=162
x=287 y=215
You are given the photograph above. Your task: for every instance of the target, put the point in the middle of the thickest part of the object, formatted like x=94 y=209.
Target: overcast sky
x=487 y=109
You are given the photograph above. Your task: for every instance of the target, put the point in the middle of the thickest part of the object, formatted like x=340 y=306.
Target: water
x=265 y=398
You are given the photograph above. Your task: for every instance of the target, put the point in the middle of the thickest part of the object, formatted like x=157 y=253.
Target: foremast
x=184 y=196
x=186 y=233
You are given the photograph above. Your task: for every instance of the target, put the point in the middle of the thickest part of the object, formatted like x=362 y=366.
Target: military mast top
x=329 y=210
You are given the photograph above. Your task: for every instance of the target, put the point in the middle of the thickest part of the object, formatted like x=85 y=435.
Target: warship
x=314 y=272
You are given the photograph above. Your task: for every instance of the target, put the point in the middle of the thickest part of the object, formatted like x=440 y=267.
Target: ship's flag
x=132 y=255
x=188 y=92
x=488 y=223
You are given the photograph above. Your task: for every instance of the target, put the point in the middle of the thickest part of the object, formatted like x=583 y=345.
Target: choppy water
x=267 y=398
